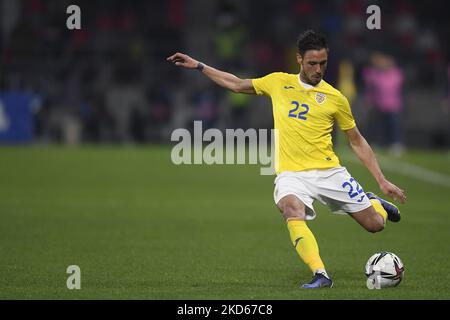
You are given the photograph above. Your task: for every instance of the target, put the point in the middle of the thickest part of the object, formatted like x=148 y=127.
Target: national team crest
x=320 y=97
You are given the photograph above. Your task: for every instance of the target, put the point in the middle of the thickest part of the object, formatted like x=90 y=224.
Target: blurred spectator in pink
x=383 y=86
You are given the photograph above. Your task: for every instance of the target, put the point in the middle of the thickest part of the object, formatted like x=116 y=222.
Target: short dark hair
x=310 y=40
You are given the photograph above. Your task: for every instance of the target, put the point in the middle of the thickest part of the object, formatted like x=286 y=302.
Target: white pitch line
x=409 y=170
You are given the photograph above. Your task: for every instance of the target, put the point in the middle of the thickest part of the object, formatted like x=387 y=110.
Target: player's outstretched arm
x=223 y=79
x=367 y=157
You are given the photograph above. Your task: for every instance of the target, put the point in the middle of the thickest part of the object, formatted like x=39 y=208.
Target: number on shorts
x=354 y=189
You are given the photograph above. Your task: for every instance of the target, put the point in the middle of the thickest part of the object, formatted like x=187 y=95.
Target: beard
x=312 y=80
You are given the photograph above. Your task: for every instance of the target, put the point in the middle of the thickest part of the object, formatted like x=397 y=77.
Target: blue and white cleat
x=391 y=209
x=319 y=281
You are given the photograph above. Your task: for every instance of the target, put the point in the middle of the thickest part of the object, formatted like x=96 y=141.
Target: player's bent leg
x=292 y=208
x=303 y=240
x=369 y=219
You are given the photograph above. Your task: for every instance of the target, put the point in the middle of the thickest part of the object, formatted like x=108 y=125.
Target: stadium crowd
x=109 y=81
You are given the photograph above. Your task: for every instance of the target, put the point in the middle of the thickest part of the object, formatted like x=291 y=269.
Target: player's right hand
x=183 y=60
x=392 y=191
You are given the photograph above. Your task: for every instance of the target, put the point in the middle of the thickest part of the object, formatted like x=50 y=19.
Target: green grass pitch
x=140 y=227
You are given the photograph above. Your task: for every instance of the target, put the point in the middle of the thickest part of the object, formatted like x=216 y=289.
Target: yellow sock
x=379 y=208
x=305 y=244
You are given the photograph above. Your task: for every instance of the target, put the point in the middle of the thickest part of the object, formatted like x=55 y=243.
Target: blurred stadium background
x=109 y=81
x=140 y=227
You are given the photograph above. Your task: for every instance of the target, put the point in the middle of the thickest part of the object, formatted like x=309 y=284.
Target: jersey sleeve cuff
x=255 y=86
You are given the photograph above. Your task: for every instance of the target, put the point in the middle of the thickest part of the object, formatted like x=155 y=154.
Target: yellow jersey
x=303 y=119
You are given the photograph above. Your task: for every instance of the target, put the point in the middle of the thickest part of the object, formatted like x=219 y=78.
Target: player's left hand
x=392 y=191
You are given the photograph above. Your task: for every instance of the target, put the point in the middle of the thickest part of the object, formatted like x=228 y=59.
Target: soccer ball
x=384 y=270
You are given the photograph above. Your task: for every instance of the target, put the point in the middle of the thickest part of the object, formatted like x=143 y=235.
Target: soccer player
x=304 y=110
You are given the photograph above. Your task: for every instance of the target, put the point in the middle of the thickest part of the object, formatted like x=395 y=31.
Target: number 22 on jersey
x=304 y=108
